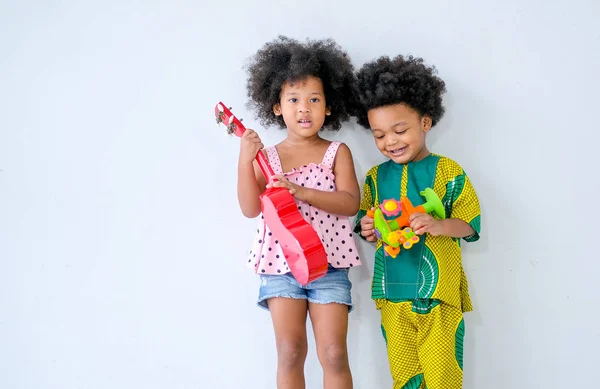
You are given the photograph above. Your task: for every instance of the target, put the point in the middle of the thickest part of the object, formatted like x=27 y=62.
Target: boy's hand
x=250 y=145
x=368 y=228
x=424 y=222
x=299 y=192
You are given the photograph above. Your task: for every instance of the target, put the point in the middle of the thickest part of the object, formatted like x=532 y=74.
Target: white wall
x=119 y=270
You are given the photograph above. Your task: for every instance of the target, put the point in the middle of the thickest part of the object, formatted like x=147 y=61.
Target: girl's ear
x=328 y=111
x=277 y=109
x=426 y=123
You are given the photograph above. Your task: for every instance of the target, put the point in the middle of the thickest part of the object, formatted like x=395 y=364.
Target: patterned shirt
x=432 y=269
x=335 y=231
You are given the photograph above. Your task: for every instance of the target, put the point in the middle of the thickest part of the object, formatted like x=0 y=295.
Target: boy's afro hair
x=287 y=60
x=388 y=81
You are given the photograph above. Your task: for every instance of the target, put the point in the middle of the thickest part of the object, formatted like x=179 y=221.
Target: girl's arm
x=345 y=200
x=251 y=182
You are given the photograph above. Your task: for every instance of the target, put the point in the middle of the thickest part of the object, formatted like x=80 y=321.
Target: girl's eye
x=293 y=100
x=400 y=132
x=314 y=100
x=379 y=137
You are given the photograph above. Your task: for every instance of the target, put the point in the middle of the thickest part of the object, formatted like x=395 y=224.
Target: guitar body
x=300 y=243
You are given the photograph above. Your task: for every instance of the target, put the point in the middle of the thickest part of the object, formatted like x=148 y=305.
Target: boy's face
x=399 y=132
x=302 y=105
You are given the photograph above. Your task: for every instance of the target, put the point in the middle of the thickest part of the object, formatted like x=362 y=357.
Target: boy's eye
x=314 y=100
x=378 y=136
x=401 y=132
x=293 y=100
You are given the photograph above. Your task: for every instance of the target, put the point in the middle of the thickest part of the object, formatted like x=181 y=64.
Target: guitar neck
x=264 y=166
x=235 y=126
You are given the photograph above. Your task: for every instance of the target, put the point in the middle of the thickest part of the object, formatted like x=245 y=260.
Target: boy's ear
x=277 y=109
x=426 y=122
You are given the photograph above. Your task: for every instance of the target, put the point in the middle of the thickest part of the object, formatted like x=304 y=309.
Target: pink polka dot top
x=266 y=256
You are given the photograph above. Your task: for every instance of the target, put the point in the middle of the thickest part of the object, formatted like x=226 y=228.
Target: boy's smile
x=399 y=132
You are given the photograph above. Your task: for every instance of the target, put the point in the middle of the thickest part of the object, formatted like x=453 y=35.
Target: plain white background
x=121 y=244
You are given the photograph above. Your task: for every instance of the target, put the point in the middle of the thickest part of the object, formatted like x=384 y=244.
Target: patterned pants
x=424 y=343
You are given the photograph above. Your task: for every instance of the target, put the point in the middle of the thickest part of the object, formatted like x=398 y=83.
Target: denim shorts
x=333 y=287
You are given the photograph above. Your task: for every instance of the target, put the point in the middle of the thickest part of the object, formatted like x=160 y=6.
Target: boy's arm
x=462 y=211
x=456 y=228
x=367 y=202
x=462 y=204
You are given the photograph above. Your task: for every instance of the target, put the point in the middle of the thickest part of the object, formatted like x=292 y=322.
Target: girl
x=304 y=88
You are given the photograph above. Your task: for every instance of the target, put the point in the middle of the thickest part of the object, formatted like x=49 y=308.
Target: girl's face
x=302 y=105
x=399 y=132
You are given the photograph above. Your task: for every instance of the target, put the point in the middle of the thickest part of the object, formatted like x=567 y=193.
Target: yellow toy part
x=405 y=237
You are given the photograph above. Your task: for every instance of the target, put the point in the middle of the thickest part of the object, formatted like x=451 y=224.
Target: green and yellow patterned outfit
x=423 y=292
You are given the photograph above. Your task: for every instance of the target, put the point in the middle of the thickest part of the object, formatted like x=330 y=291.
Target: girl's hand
x=368 y=228
x=299 y=192
x=250 y=145
x=424 y=222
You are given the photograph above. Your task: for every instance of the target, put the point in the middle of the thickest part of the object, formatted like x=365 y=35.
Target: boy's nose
x=390 y=140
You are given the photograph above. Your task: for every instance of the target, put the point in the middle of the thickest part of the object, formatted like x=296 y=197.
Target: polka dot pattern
x=266 y=256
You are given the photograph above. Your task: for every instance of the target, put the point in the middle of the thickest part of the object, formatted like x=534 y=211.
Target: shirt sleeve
x=461 y=202
x=367 y=202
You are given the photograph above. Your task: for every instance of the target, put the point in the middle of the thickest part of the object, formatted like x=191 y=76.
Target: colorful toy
x=300 y=243
x=396 y=232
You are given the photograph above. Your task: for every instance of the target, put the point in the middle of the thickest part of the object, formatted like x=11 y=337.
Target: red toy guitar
x=300 y=243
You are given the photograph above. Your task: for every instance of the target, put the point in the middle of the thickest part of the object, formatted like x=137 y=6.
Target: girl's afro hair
x=287 y=60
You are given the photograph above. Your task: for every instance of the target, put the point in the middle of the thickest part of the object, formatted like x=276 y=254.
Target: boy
x=422 y=292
